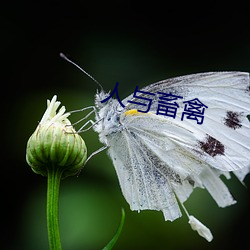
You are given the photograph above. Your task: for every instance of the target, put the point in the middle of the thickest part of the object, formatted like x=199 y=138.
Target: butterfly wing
x=223 y=139
x=141 y=184
x=158 y=158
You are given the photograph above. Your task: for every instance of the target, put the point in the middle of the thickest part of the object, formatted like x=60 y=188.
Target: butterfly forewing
x=223 y=139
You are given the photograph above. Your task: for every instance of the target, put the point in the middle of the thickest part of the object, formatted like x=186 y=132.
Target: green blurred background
x=133 y=43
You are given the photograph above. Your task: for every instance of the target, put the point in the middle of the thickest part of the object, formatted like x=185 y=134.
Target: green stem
x=54 y=177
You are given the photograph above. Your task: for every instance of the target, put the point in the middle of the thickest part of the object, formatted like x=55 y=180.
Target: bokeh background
x=133 y=43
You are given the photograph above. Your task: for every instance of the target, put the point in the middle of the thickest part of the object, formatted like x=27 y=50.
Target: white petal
x=51 y=114
x=200 y=228
x=50 y=109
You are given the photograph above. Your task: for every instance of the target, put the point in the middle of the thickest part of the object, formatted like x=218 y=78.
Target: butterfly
x=160 y=160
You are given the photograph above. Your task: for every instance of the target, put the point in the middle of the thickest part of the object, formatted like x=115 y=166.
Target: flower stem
x=54 y=177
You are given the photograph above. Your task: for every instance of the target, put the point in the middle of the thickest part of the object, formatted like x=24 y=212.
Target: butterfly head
x=99 y=99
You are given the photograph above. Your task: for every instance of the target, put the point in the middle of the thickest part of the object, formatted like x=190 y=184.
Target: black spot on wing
x=233 y=119
x=248 y=89
x=191 y=181
x=212 y=146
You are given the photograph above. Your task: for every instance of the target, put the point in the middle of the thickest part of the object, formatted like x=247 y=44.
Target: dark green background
x=134 y=43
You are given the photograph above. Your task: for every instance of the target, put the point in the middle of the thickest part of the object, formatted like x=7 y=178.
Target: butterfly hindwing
x=141 y=182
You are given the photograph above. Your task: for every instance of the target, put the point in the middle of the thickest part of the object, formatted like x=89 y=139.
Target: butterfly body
x=109 y=116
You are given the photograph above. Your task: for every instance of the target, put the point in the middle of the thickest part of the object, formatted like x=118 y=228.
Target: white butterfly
x=159 y=159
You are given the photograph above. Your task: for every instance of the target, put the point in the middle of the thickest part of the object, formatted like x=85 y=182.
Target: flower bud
x=55 y=144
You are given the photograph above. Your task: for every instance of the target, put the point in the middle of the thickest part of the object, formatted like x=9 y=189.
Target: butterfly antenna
x=68 y=60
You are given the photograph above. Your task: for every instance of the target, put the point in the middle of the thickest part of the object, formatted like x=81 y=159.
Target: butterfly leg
x=83 y=109
x=82 y=128
x=94 y=153
x=86 y=116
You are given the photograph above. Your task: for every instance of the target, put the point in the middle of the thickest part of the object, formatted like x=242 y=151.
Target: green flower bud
x=55 y=144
